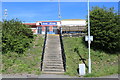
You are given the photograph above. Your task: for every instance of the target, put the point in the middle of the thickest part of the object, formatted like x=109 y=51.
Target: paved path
x=111 y=76
x=35 y=76
x=48 y=76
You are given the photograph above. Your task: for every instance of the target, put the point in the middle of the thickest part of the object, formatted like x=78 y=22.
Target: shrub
x=105 y=29
x=16 y=37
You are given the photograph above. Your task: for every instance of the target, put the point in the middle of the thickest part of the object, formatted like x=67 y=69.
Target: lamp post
x=89 y=40
x=59 y=15
x=5 y=13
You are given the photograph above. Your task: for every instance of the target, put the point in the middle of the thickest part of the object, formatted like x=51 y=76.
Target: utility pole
x=59 y=15
x=1 y=10
x=89 y=40
x=5 y=13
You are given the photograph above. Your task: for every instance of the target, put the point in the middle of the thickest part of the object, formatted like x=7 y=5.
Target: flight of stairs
x=52 y=62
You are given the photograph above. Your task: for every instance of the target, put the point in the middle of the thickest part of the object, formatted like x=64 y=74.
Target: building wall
x=34 y=30
x=73 y=22
x=49 y=24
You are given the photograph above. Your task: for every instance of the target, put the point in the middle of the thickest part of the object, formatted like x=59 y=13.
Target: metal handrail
x=43 y=51
x=62 y=50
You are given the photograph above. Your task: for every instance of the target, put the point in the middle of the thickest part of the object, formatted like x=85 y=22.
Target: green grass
x=102 y=63
x=28 y=63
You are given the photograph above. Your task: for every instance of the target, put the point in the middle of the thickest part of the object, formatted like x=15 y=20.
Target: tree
x=105 y=28
x=16 y=37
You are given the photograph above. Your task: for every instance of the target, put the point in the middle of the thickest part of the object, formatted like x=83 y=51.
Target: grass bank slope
x=27 y=63
x=76 y=52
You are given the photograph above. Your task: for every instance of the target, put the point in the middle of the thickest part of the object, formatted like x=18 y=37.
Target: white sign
x=81 y=69
x=43 y=32
x=87 y=38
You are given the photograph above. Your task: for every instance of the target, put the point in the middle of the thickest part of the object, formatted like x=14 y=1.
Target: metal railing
x=74 y=35
x=43 y=51
x=62 y=50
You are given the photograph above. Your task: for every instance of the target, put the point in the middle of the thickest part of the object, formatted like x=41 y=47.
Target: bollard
x=82 y=69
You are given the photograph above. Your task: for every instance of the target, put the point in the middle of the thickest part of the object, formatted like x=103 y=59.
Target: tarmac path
x=49 y=76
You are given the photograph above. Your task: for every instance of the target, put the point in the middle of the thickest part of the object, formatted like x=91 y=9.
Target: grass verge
x=103 y=64
x=28 y=63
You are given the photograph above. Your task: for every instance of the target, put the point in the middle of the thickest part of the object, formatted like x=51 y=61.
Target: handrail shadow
x=81 y=58
x=62 y=50
x=43 y=51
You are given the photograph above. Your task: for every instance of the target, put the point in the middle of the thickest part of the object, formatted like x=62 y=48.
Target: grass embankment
x=102 y=63
x=0 y=48
x=28 y=62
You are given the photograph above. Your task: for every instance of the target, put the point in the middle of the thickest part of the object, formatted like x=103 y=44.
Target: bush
x=16 y=37
x=105 y=29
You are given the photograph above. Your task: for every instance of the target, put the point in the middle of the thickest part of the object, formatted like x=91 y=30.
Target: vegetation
x=28 y=63
x=105 y=28
x=16 y=37
x=0 y=47
x=76 y=52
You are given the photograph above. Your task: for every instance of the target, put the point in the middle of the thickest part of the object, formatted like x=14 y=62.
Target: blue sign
x=49 y=23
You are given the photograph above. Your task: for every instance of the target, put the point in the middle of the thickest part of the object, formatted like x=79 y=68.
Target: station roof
x=29 y=23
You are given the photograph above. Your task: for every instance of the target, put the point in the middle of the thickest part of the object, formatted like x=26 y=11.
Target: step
x=47 y=51
x=53 y=47
x=51 y=58
x=47 y=72
x=55 y=67
x=53 y=70
x=51 y=62
x=54 y=52
x=56 y=40
x=57 y=46
x=53 y=42
x=55 y=55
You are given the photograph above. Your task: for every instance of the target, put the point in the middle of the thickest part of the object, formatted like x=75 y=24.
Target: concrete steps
x=55 y=69
x=52 y=62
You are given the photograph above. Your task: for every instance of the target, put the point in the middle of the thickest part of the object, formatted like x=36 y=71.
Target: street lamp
x=89 y=39
x=59 y=15
x=5 y=13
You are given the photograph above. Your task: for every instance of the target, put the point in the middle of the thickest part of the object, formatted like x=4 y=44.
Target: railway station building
x=52 y=27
